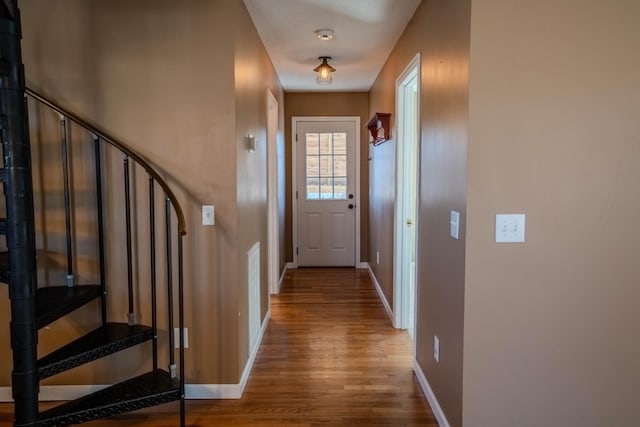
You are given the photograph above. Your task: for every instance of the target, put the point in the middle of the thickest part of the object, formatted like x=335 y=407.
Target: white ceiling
x=365 y=33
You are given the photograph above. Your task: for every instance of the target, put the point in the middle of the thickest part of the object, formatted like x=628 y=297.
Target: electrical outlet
x=208 y=215
x=436 y=348
x=378 y=257
x=176 y=337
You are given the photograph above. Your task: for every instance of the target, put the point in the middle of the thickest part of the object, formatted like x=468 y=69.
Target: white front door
x=326 y=202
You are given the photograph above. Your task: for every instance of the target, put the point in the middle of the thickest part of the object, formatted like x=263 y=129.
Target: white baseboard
x=254 y=352
x=192 y=391
x=291 y=265
x=229 y=391
x=363 y=266
x=213 y=391
x=385 y=303
x=284 y=272
x=433 y=402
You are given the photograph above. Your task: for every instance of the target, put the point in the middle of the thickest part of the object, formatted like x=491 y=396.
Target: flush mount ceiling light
x=324 y=71
x=325 y=34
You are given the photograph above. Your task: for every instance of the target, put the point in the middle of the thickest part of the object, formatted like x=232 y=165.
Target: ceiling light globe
x=324 y=71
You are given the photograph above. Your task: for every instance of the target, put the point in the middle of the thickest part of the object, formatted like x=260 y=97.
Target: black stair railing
x=33 y=307
x=172 y=388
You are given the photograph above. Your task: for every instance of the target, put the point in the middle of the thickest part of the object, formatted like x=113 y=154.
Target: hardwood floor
x=329 y=357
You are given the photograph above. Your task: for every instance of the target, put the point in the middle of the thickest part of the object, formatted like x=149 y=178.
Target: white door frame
x=401 y=297
x=273 y=232
x=294 y=179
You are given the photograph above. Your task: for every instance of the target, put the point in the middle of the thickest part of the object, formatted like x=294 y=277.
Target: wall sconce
x=251 y=143
x=324 y=71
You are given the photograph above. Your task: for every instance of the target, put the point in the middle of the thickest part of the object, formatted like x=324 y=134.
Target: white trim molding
x=229 y=391
x=404 y=294
x=383 y=299
x=431 y=397
x=273 y=225
x=284 y=271
x=192 y=391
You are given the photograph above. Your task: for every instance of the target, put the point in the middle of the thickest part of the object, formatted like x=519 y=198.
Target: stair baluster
x=101 y=260
x=181 y=324
x=172 y=362
x=67 y=197
x=152 y=260
x=127 y=210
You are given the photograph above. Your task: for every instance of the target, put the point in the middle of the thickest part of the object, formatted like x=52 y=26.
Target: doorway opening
x=325 y=191
x=273 y=232
x=406 y=220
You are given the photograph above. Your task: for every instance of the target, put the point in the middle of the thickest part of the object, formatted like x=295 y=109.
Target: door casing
x=404 y=297
x=272 y=194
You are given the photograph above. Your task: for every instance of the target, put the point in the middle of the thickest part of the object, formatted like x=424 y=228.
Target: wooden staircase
x=35 y=306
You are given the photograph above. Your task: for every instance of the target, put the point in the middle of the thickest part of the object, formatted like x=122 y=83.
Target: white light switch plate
x=208 y=215
x=176 y=337
x=510 y=228
x=454 y=224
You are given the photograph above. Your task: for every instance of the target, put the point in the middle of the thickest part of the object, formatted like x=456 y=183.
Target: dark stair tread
x=53 y=302
x=3 y=225
x=150 y=389
x=4 y=266
x=98 y=343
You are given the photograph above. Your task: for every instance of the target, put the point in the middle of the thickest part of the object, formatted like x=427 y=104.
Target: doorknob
x=350 y=206
x=351 y=196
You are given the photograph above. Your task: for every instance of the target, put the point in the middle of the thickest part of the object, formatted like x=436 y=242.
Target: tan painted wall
x=254 y=74
x=439 y=31
x=551 y=325
x=163 y=76
x=329 y=104
x=382 y=172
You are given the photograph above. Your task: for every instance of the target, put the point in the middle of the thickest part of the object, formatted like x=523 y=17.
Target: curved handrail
x=122 y=147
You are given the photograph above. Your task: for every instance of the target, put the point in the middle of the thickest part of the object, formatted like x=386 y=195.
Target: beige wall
x=551 y=325
x=439 y=31
x=177 y=82
x=329 y=104
x=254 y=74
x=382 y=172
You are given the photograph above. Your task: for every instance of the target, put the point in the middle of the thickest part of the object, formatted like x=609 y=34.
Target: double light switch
x=510 y=228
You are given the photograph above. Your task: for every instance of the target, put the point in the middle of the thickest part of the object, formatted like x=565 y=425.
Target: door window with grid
x=326 y=165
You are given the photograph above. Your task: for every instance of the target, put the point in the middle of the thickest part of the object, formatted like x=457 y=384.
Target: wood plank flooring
x=329 y=357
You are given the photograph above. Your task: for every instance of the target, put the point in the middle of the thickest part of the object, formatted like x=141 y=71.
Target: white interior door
x=326 y=202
